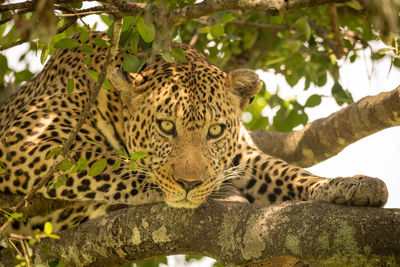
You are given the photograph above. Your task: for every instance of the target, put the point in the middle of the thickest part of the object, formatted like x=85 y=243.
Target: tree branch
x=337 y=36
x=181 y=15
x=326 y=137
x=273 y=27
x=271 y=8
x=313 y=232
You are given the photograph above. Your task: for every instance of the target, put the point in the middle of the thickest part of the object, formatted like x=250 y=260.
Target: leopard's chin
x=184 y=203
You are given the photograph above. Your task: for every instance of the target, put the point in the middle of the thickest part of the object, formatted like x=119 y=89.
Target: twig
x=18 y=13
x=13 y=44
x=323 y=33
x=352 y=36
x=19 y=42
x=194 y=39
x=66 y=26
x=262 y=25
x=15 y=6
x=84 y=114
x=80 y=14
x=337 y=37
x=26 y=256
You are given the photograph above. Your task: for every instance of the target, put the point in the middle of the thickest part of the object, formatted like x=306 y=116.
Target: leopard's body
x=185 y=116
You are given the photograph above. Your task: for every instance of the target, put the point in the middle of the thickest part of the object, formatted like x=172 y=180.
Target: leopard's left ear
x=245 y=84
x=131 y=85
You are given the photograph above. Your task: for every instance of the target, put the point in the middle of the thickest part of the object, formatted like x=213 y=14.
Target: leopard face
x=186 y=116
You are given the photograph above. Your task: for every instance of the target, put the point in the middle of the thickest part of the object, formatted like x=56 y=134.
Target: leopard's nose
x=189 y=185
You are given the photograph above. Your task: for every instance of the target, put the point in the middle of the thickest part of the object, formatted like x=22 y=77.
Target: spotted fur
x=185 y=116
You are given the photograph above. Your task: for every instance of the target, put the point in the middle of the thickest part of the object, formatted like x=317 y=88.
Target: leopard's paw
x=359 y=190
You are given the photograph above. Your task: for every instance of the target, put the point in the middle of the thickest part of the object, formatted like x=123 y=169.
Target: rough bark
x=313 y=232
x=324 y=138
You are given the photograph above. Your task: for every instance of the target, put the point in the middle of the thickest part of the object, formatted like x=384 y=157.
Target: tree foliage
x=305 y=45
x=306 y=41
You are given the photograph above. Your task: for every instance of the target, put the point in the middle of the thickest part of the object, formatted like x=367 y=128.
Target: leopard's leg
x=271 y=180
x=60 y=219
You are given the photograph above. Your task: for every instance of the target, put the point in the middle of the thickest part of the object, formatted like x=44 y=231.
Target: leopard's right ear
x=129 y=85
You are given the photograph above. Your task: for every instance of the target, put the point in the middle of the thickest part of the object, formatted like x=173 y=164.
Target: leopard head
x=186 y=116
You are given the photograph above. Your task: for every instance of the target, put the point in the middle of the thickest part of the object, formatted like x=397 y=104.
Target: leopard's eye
x=167 y=127
x=215 y=131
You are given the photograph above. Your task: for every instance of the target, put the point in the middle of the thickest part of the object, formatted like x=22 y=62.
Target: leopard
x=184 y=115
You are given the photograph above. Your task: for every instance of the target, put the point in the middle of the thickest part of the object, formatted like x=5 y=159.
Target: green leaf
x=304 y=27
x=84 y=36
x=179 y=54
x=313 y=101
x=55 y=237
x=167 y=57
x=217 y=30
x=127 y=22
x=54 y=152
x=146 y=30
x=116 y=166
x=322 y=79
x=385 y=50
x=82 y=163
x=88 y=61
x=138 y=155
x=67 y=43
x=228 y=17
x=106 y=19
x=205 y=29
x=106 y=84
x=22 y=76
x=88 y=49
x=45 y=53
x=94 y=75
x=131 y=63
x=122 y=153
x=16 y=215
x=70 y=86
x=97 y=167
x=133 y=165
x=376 y=56
x=341 y=96
x=277 y=19
x=100 y=42
x=48 y=228
x=65 y=165
x=3 y=65
x=75 y=169
x=396 y=62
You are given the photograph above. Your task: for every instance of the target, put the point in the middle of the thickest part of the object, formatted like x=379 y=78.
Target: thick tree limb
x=326 y=137
x=272 y=7
x=181 y=15
x=313 y=232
